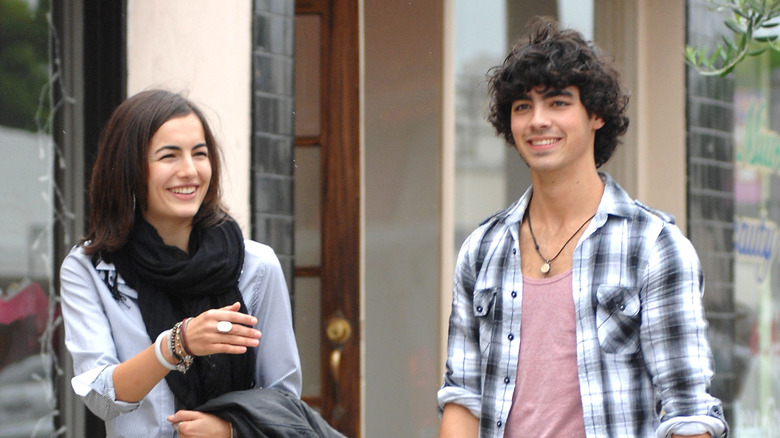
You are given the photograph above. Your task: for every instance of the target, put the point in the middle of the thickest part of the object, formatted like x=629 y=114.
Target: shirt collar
x=615 y=201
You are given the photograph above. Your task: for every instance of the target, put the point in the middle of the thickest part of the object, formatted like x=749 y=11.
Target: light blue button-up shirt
x=102 y=332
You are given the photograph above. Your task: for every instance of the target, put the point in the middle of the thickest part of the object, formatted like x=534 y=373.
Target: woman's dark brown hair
x=554 y=58
x=118 y=188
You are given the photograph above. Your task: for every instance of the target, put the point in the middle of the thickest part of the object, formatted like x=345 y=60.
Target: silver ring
x=224 y=326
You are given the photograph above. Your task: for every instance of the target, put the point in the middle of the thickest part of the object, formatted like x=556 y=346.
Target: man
x=576 y=311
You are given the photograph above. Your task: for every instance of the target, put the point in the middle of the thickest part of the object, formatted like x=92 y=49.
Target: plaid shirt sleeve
x=673 y=331
x=462 y=379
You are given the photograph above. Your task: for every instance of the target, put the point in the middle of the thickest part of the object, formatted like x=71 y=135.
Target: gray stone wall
x=711 y=205
x=273 y=135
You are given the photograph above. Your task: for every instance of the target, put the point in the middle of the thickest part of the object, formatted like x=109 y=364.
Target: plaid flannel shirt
x=642 y=350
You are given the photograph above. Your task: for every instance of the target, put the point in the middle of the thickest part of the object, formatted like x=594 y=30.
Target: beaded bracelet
x=172 y=344
x=184 y=345
x=184 y=359
x=158 y=351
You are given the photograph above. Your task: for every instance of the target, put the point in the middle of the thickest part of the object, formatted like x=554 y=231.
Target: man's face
x=553 y=131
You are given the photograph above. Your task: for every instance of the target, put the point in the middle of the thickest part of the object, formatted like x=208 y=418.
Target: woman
x=164 y=302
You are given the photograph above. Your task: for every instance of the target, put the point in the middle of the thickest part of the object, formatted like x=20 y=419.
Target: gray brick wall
x=711 y=205
x=273 y=135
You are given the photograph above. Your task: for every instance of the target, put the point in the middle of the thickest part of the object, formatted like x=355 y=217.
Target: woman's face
x=179 y=173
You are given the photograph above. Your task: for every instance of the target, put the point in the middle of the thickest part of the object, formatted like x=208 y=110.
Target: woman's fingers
x=233 y=307
x=223 y=330
x=198 y=424
x=230 y=313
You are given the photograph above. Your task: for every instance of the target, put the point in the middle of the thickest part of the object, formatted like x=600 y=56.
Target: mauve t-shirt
x=546 y=401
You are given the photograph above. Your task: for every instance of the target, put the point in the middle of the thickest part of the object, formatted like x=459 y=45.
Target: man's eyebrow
x=547 y=93
x=556 y=92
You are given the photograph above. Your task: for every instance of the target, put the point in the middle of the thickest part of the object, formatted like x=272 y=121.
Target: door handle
x=338 y=331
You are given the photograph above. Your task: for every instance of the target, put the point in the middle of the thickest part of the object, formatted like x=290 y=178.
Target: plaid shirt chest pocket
x=618 y=319
x=484 y=308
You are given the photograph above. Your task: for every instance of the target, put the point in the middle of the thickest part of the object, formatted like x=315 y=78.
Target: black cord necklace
x=546 y=265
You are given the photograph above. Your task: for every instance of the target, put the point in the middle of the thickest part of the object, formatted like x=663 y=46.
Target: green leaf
x=755 y=5
x=757 y=52
x=690 y=55
x=727 y=71
x=734 y=26
x=765 y=39
x=729 y=44
x=714 y=57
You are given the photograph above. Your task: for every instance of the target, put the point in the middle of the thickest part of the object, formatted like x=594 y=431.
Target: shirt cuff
x=96 y=388
x=452 y=394
x=692 y=425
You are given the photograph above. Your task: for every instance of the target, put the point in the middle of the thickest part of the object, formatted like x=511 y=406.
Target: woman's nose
x=187 y=166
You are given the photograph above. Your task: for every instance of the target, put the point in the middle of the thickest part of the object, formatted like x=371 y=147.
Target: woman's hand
x=194 y=424
x=204 y=339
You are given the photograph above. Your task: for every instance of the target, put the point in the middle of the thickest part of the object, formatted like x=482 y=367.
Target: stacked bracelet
x=175 y=340
x=184 y=345
x=158 y=351
x=185 y=360
x=172 y=344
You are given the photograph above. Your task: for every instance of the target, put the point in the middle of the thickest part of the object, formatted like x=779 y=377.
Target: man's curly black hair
x=555 y=59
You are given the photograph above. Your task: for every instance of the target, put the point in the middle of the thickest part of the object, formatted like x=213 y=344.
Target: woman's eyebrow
x=167 y=147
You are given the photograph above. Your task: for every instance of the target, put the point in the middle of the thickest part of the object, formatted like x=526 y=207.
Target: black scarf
x=173 y=285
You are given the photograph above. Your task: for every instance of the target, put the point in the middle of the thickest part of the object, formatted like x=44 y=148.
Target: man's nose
x=540 y=117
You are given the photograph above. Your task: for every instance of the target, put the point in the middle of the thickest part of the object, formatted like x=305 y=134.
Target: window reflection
x=480 y=43
x=27 y=403
x=756 y=352
x=488 y=174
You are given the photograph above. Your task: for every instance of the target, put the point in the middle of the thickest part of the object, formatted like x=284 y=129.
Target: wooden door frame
x=341 y=201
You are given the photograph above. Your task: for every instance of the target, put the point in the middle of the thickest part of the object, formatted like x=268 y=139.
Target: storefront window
x=489 y=175
x=480 y=43
x=27 y=401
x=756 y=240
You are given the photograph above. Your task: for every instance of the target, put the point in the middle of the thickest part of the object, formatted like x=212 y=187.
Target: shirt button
x=499 y=423
x=622 y=307
x=506 y=380
x=514 y=250
x=514 y=294
x=510 y=337
x=479 y=308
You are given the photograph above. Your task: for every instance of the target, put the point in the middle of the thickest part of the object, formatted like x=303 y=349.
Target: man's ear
x=598 y=122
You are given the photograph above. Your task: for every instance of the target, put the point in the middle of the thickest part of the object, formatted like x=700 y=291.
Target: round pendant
x=545 y=268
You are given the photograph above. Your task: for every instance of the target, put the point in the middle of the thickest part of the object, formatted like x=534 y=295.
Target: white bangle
x=158 y=351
